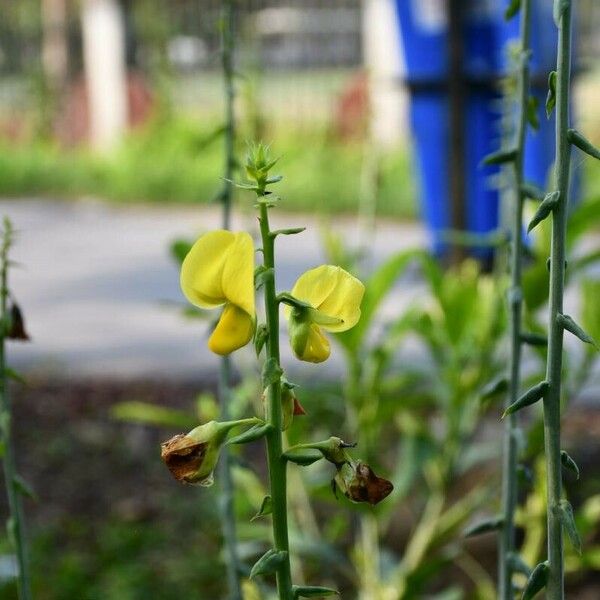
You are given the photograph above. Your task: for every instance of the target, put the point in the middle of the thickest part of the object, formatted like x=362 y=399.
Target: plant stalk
x=276 y=463
x=16 y=522
x=227 y=54
x=506 y=538
x=227 y=509
x=555 y=585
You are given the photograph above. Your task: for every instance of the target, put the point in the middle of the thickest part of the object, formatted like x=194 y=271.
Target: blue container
x=424 y=34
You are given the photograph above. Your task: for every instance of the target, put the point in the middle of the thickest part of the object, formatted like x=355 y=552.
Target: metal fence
x=298 y=54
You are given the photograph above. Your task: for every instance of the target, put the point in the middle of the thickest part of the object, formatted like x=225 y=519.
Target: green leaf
x=486 y=526
x=24 y=488
x=266 y=508
x=577 y=139
x=551 y=97
x=518 y=564
x=179 y=249
x=288 y=231
x=377 y=286
x=303 y=456
x=532 y=116
x=312 y=591
x=500 y=157
x=274 y=179
x=244 y=186
x=268 y=563
x=211 y=137
x=261 y=273
x=568 y=522
x=494 y=387
x=530 y=397
x=581 y=262
x=11 y=531
x=569 y=324
x=256 y=432
x=568 y=463
x=260 y=338
x=271 y=372
x=530 y=190
x=534 y=339
x=590 y=315
x=145 y=413
x=544 y=209
x=15 y=376
x=537 y=581
x=512 y=9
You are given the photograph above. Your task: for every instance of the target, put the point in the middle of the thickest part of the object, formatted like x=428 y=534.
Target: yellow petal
x=334 y=293
x=343 y=302
x=238 y=273
x=315 y=285
x=317 y=346
x=234 y=330
x=202 y=269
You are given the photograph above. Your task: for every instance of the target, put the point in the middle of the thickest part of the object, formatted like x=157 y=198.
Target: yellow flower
x=219 y=269
x=333 y=298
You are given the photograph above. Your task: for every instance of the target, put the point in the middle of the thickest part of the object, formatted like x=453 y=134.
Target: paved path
x=99 y=289
x=101 y=294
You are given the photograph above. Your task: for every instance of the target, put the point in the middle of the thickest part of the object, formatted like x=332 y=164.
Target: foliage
x=178 y=160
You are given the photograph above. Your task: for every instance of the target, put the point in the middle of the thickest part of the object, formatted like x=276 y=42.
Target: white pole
x=54 y=43
x=384 y=64
x=104 y=62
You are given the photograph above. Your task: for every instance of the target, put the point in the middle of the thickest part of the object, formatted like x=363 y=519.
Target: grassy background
x=179 y=160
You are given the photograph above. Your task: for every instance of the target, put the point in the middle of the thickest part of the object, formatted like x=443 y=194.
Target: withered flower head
x=192 y=457
x=15 y=328
x=359 y=483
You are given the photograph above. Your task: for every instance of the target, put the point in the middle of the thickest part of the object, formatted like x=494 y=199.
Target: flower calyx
x=192 y=457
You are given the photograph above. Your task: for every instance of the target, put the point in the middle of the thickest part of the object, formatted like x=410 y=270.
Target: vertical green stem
x=224 y=391
x=229 y=93
x=226 y=499
x=555 y=586
x=16 y=522
x=277 y=464
x=506 y=538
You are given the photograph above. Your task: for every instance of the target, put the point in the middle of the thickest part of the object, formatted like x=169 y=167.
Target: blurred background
x=111 y=150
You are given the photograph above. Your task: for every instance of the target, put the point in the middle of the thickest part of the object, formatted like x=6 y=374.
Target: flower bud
x=290 y=406
x=306 y=338
x=358 y=483
x=192 y=457
x=334 y=450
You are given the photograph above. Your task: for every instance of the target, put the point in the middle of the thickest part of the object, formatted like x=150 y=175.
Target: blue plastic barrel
x=424 y=33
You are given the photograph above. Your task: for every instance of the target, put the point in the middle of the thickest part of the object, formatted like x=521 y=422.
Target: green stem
x=228 y=523
x=10 y=471
x=229 y=93
x=555 y=585
x=227 y=491
x=277 y=465
x=506 y=538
